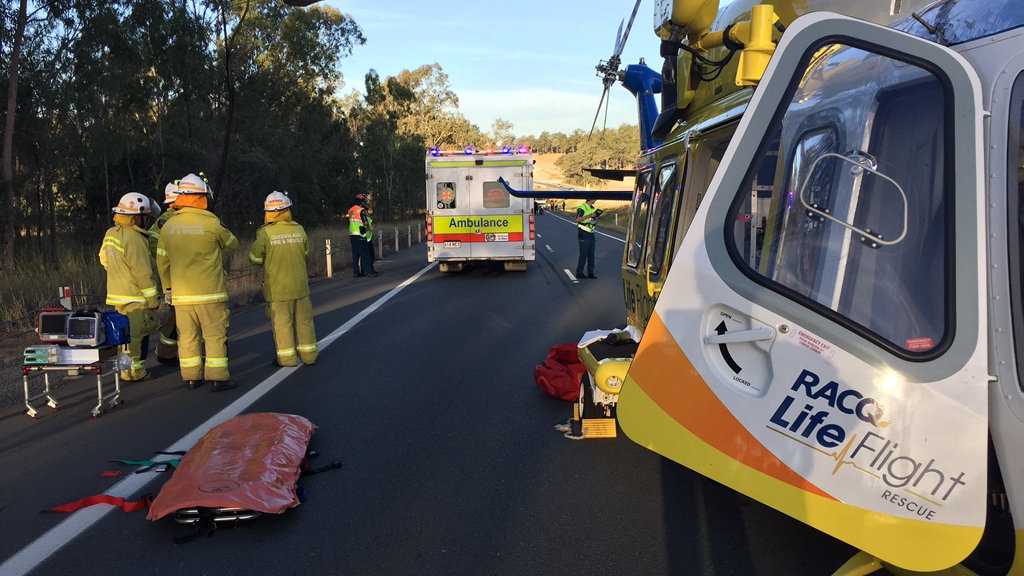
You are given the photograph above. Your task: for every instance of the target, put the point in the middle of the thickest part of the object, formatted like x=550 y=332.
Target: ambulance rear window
x=445 y=195
x=495 y=195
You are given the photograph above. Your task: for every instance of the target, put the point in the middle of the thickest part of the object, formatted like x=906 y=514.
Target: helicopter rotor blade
x=597 y=114
x=629 y=26
x=618 y=38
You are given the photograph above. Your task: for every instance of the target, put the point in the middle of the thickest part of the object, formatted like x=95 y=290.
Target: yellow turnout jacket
x=281 y=249
x=125 y=255
x=189 y=257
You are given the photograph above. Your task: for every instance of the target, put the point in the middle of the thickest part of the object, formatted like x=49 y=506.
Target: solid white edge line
x=550 y=249
x=567 y=221
x=35 y=553
x=571 y=275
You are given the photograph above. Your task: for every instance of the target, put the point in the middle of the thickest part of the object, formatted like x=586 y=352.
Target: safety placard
x=599 y=428
x=490 y=228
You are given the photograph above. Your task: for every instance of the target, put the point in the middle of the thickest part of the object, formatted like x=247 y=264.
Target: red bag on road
x=560 y=374
x=250 y=462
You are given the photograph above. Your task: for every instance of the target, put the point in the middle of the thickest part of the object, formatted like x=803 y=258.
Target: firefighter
x=167 y=346
x=131 y=285
x=357 y=236
x=190 y=259
x=280 y=248
x=586 y=217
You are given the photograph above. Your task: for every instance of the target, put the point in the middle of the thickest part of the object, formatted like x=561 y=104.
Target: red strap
x=111 y=473
x=126 y=505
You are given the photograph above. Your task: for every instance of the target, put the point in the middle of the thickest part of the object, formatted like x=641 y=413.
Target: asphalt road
x=451 y=465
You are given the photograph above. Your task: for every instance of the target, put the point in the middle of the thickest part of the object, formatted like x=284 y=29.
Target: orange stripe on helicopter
x=688 y=400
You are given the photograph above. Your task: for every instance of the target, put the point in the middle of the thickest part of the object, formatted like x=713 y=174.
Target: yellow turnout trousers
x=203 y=341
x=167 y=348
x=141 y=323
x=293 y=320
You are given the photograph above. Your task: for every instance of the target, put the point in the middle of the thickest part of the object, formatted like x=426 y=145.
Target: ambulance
x=471 y=216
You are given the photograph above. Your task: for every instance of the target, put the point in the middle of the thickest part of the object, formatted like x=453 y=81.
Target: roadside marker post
x=408 y=235
x=396 y=238
x=327 y=254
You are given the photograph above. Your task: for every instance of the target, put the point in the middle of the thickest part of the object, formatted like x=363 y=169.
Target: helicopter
x=822 y=271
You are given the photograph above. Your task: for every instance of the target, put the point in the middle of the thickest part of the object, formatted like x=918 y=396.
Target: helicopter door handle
x=753 y=335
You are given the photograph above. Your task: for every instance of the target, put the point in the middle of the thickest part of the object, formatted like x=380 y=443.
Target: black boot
x=222 y=385
x=193 y=384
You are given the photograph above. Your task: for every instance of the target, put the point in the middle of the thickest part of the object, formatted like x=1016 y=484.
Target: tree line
x=104 y=98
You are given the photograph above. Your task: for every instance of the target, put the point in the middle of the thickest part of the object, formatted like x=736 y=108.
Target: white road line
x=567 y=273
x=550 y=249
x=34 y=554
x=566 y=220
x=538 y=235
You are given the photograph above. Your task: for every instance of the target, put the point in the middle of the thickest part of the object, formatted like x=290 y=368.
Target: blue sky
x=529 y=61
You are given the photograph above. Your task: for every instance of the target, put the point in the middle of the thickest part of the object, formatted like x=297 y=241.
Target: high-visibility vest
x=369 y=226
x=355 y=220
x=585 y=224
x=281 y=249
x=125 y=255
x=189 y=257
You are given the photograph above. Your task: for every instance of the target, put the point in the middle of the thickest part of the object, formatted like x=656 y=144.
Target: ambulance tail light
x=430 y=228
x=533 y=226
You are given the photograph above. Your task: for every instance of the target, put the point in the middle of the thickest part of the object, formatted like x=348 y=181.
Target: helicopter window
x=495 y=195
x=445 y=195
x=1015 y=212
x=860 y=233
x=664 y=202
x=638 y=223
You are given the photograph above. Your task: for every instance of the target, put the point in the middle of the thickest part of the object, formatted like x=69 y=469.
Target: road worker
x=280 y=248
x=131 y=285
x=357 y=229
x=167 y=347
x=586 y=220
x=190 y=259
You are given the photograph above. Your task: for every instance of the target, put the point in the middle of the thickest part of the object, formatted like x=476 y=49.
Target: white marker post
x=327 y=254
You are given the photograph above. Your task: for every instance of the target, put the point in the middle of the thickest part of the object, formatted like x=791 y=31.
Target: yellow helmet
x=277 y=201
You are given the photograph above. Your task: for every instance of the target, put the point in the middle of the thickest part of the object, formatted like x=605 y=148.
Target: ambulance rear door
x=500 y=222
x=824 y=350
x=451 y=204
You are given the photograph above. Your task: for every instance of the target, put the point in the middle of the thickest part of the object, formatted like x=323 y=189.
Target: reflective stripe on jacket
x=189 y=257
x=281 y=249
x=586 y=213
x=355 y=220
x=125 y=255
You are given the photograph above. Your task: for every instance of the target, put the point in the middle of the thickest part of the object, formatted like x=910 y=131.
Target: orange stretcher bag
x=251 y=462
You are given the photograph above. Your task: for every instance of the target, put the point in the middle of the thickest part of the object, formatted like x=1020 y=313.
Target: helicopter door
x=820 y=341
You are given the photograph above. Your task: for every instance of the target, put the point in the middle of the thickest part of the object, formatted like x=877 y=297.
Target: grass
x=34 y=282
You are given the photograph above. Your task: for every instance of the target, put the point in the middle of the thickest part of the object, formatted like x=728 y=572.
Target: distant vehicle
x=539 y=206
x=471 y=216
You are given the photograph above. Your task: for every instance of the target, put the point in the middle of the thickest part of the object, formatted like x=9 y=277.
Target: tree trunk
x=229 y=85
x=8 y=148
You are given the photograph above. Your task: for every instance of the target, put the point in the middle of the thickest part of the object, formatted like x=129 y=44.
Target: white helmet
x=193 y=184
x=171 y=192
x=132 y=204
x=277 y=201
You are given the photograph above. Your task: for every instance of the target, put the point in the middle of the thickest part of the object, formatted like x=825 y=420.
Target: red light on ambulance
x=430 y=228
x=533 y=225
